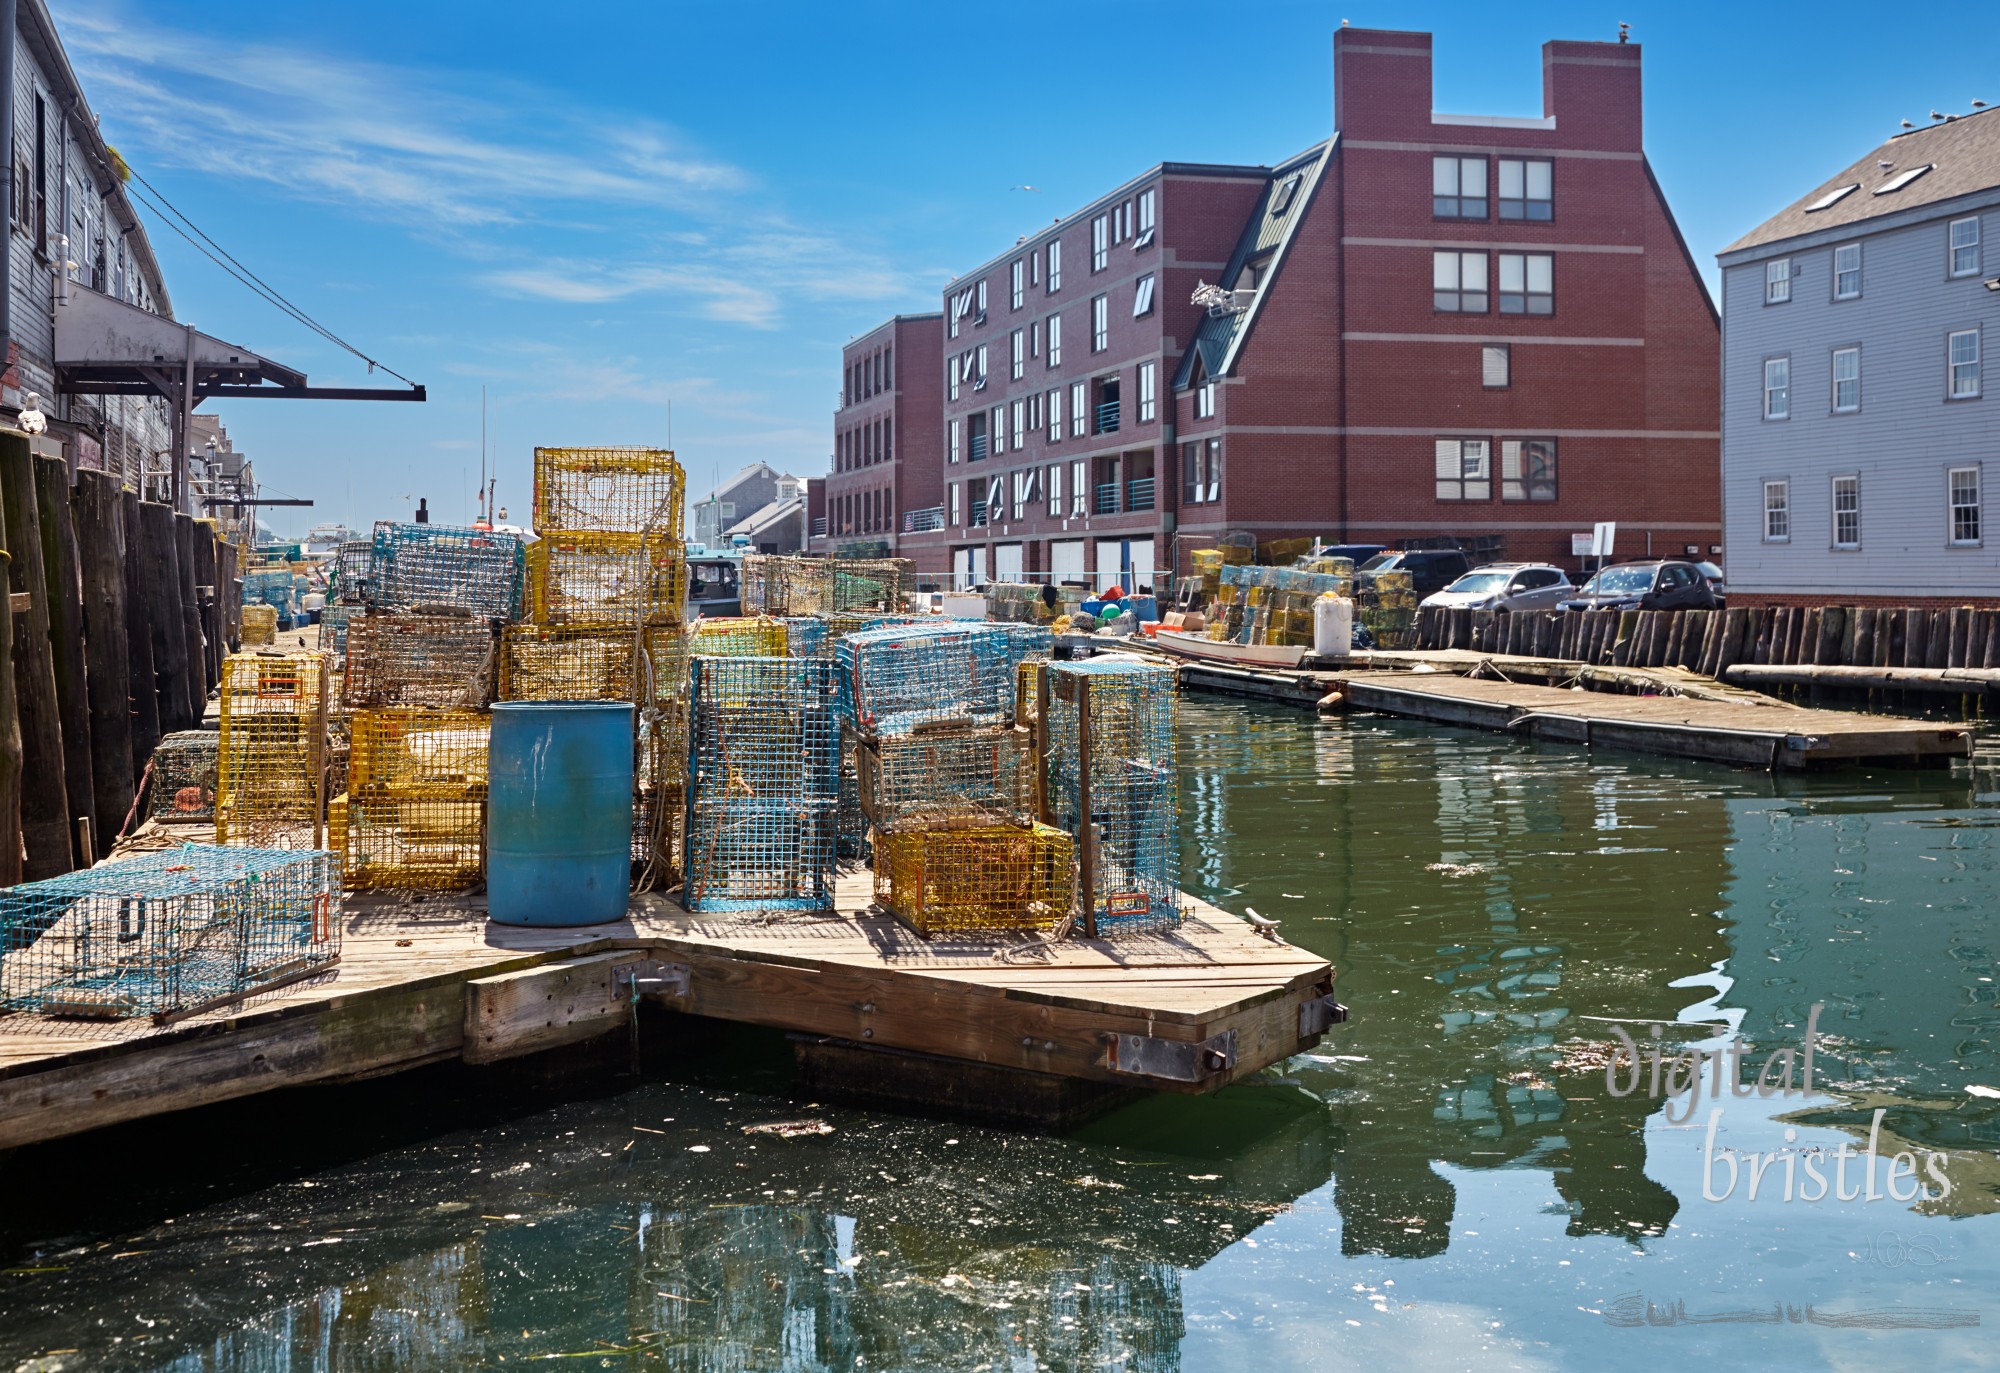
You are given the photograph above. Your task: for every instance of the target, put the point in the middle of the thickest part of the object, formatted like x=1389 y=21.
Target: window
x=1777 y=388
x=1464 y=470
x=1055 y=266
x=1847 y=272
x=1020 y=424
x=1458 y=283
x=1055 y=340
x=1100 y=243
x=1035 y=339
x=1527 y=189
x=1025 y=483
x=1833 y=197
x=1079 y=488
x=1778 y=512
x=1018 y=287
x=1496 y=366
x=954 y=371
x=1100 y=323
x=1964 y=247
x=1527 y=469
x=1055 y=490
x=1079 y=410
x=1214 y=472
x=1142 y=296
x=1148 y=406
x=1121 y=223
x=1846 y=380
x=979 y=368
x=1902 y=179
x=1018 y=364
x=1847 y=512
x=1778 y=281
x=1458 y=187
x=999 y=430
x=1527 y=284
x=1204 y=401
x=975 y=437
x=1034 y=269
x=1962 y=494
x=951 y=452
x=1055 y=415
x=1962 y=350
x=888 y=438
x=1145 y=221
x=979 y=315
x=955 y=519
x=1191 y=487
x=1281 y=199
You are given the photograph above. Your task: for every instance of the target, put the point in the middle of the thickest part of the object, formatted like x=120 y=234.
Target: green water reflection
x=1432 y=1188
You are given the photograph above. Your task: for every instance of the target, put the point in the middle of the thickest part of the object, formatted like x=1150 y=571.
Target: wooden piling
x=1864 y=638
x=164 y=618
x=45 y=828
x=100 y=527
x=190 y=608
x=53 y=500
x=142 y=685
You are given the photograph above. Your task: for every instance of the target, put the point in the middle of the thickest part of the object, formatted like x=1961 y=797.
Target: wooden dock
x=1187 y=1010
x=1758 y=732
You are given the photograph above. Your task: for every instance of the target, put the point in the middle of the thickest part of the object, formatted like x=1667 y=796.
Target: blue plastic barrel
x=559 y=812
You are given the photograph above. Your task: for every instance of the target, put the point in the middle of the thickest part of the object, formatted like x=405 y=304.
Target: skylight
x=1283 y=199
x=1902 y=179
x=1833 y=197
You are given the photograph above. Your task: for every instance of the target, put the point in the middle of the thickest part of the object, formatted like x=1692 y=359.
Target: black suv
x=1645 y=586
x=1431 y=569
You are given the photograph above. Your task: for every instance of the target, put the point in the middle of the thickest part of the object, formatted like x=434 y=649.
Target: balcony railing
x=979 y=512
x=978 y=447
x=1139 y=493
x=1107 y=499
x=1107 y=417
x=819 y=527
x=923 y=521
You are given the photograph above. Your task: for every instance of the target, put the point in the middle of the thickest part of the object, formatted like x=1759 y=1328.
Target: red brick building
x=885 y=439
x=1429 y=326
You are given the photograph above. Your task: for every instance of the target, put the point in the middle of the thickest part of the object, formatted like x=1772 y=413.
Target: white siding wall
x=1900 y=443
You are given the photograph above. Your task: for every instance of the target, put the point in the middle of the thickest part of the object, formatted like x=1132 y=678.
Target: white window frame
x=1778 y=281
x=1778 y=388
x=1054 y=483
x=1020 y=413
x=996 y=430
x=1055 y=265
x=1079 y=410
x=1017 y=365
x=1781 y=508
x=1448 y=183
x=1526 y=268
x=1213 y=472
x=1100 y=243
x=957 y=510
x=954 y=429
x=1148 y=392
x=979 y=315
x=1142 y=297
x=1450 y=270
x=1018 y=284
x=1496 y=359
x=1952 y=505
x=979 y=369
x=1956 y=243
x=1853 y=406
x=1079 y=487
x=1191 y=475
x=1854 y=270
x=1204 y=401
x=1055 y=414
x=1466 y=463
x=1953 y=364
x=1526 y=172
x=1852 y=481
x=1034 y=338
x=1055 y=341
x=1147 y=221
x=1100 y=323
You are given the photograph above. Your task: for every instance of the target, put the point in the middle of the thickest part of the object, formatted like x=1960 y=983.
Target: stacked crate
x=270 y=783
x=792 y=586
x=942 y=778
x=1387 y=605
x=1272 y=605
x=1111 y=783
x=184 y=776
x=415 y=807
x=607 y=602
x=740 y=636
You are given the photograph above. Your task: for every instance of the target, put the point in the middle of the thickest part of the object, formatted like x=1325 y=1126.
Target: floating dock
x=1188 y=1009
x=1760 y=733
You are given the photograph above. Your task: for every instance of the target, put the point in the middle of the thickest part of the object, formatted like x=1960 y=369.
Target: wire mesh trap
x=806 y=637
x=609 y=491
x=906 y=677
x=560 y=663
x=184 y=776
x=740 y=636
x=659 y=799
x=258 y=625
x=168 y=932
x=908 y=779
x=784 y=585
x=764 y=765
x=416 y=799
x=334 y=622
x=417 y=660
x=271 y=749
x=606 y=579
x=347 y=579
x=430 y=567
x=972 y=875
x=1111 y=763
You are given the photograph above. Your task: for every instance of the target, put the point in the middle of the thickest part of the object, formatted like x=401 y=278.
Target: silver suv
x=1506 y=586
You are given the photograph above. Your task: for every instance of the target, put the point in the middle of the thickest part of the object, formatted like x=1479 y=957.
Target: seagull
x=1979 y=104
x=1025 y=188
x=1936 y=115
x=1908 y=125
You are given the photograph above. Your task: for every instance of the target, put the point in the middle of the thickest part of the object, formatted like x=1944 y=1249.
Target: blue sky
x=594 y=210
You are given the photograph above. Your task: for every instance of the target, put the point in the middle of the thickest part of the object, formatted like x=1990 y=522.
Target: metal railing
x=819 y=527
x=1107 y=417
x=978 y=448
x=1106 y=502
x=1139 y=493
x=923 y=521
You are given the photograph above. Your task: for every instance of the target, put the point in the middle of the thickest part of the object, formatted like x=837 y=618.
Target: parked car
x=1505 y=586
x=1645 y=586
x=1431 y=569
x=1713 y=573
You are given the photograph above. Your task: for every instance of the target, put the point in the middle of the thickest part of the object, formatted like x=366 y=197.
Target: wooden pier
x=1756 y=732
x=1186 y=1010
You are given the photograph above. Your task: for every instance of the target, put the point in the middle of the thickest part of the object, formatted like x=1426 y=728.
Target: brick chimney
x=1592 y=89
x=1382 y=83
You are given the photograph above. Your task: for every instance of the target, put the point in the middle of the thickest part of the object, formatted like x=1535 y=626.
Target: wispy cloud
x=493 y=170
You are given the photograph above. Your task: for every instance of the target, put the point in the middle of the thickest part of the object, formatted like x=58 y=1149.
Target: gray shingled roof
x=1966 y=152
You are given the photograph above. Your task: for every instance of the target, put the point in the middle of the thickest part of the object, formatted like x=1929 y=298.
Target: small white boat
x=1226 y=651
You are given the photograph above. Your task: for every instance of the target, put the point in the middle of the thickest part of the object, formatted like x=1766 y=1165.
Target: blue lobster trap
x=441 y=567
x=906 y=677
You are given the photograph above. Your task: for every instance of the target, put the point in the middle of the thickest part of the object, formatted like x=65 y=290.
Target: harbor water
x=1452 y=1180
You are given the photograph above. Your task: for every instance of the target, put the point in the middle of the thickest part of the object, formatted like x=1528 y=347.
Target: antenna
x=482 y=450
